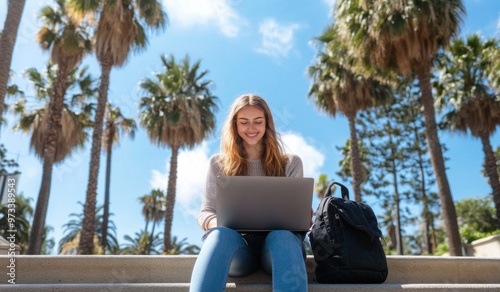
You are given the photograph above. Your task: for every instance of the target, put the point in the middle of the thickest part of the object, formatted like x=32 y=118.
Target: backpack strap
x=343 y=189
x=322 y=206
x=328 y=195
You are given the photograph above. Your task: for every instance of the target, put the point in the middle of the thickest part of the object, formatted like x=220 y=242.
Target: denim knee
x=222 y=232
x=286 y=236
x=281 y=235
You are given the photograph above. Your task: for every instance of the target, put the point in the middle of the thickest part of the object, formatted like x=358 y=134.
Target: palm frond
x=178 y=106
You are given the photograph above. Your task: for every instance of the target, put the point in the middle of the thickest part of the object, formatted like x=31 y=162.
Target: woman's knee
x=282 y=235
x=222 y=240
x=222 y=233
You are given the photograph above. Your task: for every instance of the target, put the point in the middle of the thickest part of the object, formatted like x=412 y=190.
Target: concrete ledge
x=184 y=287
x=43 y=271
x=484 y=247
x=428 y=269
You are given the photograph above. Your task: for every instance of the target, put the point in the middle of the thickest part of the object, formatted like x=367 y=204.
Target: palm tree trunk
x=7 y=42
x=491 y=170
x=356 y=167
x=105 y=217
x=436 y=153
x=50 y=144
x=42 y=203
x=86 y=245
x=171 y=190
x=151 y=236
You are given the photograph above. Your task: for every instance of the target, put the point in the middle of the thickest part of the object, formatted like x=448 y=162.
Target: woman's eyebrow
x=242 y=118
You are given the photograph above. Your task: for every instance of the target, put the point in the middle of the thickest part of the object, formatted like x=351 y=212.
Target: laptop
x=264 y=203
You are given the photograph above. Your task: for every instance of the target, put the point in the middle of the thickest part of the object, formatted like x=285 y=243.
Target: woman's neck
x=254 y=152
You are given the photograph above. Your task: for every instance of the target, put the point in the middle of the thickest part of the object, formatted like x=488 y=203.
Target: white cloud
x=192 y=168
x=312 y=158
x=189 y=13
x=277 y=39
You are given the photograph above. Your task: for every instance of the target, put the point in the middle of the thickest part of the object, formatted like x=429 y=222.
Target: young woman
x=250 y=146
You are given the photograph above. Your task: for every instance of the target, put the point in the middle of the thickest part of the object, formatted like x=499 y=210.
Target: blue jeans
x=226 y=252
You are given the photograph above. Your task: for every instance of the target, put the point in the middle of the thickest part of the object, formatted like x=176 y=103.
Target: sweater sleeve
x=208 y=202
x=294 y=167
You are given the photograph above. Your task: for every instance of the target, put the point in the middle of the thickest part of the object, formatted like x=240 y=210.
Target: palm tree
x=475 y=107
x=7 y=165
x=48 y=243
x=24 y=211
x=141 y=244
x=13 y=90
x=345 y=163
x=71 y=134
x=153 y=210
x=337 y=88
x=68 y=42
x=497 y=159
x=7 y=42
x=114 y=123
x=177 y=111
x=69 y=243
x=120 y=28
x=321 y=186
x=404 y=37
x=182 y=247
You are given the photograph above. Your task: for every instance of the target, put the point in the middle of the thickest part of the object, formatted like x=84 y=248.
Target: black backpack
x=345 y=240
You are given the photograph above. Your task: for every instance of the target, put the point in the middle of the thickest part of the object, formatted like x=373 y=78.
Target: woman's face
x=251 y=125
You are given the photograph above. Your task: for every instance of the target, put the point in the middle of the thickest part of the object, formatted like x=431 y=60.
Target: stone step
x=172 y=273
x=184 y=287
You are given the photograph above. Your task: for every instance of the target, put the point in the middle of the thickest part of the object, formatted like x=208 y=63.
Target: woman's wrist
x=212 y=223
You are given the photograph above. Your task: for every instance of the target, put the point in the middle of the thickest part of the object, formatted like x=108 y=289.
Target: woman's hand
x=212 y=223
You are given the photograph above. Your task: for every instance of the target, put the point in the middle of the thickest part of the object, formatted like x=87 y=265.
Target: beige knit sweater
x=208 y=205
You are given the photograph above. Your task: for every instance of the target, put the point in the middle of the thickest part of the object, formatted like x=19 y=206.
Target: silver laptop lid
x=263 y=203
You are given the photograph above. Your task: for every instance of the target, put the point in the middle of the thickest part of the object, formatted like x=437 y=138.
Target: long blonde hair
x=234 y=160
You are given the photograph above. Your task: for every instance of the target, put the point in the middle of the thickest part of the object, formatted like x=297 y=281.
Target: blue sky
x=259 y=46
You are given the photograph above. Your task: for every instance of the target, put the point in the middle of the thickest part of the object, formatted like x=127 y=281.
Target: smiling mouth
x=252 y=135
